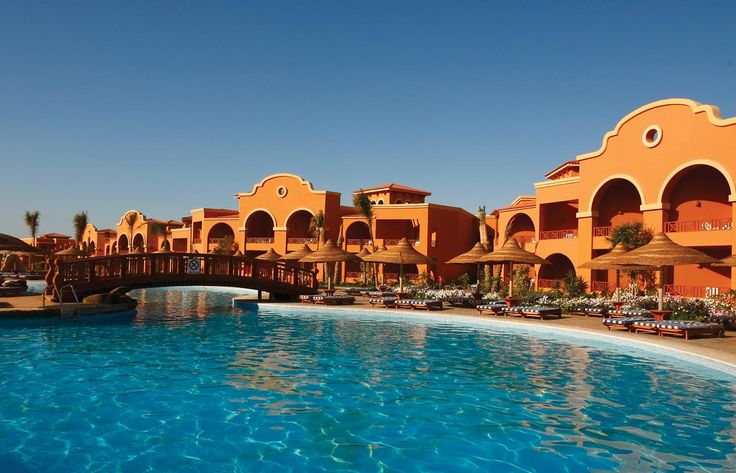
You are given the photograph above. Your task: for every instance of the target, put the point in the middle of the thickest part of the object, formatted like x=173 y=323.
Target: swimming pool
x=191 y=384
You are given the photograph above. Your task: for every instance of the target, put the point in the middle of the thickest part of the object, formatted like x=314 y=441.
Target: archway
x=617 y=202
x=139 y=243
x=259 y=227
x=521 y=228
x=122 y=244
x=217 y=233
x=358 y=233
x=698 y=200
x=107 y=249
x=84 y=247
x=552 y=274
x=297 y=227
x=92 y=249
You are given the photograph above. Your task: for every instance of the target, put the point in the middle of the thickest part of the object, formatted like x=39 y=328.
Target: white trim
x=699 y=162
x=657 y=140
x=557 y=182
x=587 y=214
x=260 y=209
x=301 y=180
x=646 y=207
x=626 y=177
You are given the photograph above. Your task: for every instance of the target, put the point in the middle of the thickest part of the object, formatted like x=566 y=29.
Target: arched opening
x=616 y=203
x=297 y=228
x=259 y=227
x=92 y=249
x=217 y=233
x=84 y=247
x=107 y=249
x=139 y=242
x=358 y=233
x=521 y=228
x=698 y=201
x=380 y=202
x=551 y=275
x=123 y=244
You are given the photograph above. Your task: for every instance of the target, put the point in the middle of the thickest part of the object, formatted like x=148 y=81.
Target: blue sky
x=169 y=106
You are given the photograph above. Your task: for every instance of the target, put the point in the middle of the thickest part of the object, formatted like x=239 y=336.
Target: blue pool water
x=191 y=384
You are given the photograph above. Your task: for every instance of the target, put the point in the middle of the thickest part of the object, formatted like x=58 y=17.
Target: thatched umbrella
x=663 y=252
x=71 y=251
x=362 y=254
x=512 y=253
x=165 y=247
x=12 y=264
x=607 y=261
x=238 y=253
x=270 y=255
x=329 y=253
x=472 y=256
x=729 y=261
x=298 y=254
x=11 y=243
x=401 y=254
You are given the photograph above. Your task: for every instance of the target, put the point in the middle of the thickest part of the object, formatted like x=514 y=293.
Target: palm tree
x=363 y=206
x=159 y=228
x=130 y=219
x=484 y=242
x=336 y=268
x=224 y=245
x=32 y=221
x=317 y=228
x=80 y=224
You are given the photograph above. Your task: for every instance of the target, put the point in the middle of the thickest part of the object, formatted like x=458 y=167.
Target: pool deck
x=722 y=350
x=31 y=306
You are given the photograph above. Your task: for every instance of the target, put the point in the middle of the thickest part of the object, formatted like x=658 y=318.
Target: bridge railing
x=103 y=271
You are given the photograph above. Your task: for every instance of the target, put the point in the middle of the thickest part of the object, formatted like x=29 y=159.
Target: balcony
x=549 y=283
x=395 y=241
x=359 y=241
x=301 y=241
x=558 y=234
x=265 y=240
x=602 y=231
x=694 y=291
x=709 y=225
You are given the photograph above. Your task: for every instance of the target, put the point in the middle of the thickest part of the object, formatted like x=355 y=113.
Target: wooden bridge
x=138 y=270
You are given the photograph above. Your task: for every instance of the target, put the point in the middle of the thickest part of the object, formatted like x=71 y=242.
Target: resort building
x=51 y=242
x=98 y=242
x=669 y=164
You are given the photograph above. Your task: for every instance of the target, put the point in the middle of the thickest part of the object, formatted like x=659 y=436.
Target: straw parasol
x=329 y=253
x=362 y=254
x=607 y=261
x=165 y=247
x=471 y=257
x=71 y=251
x=401 y=254
x=298 y=254
x=270 y=255
x=11 y=243
x=729 y=261
x=238 y=253
x=512 y=253
x=663 y=252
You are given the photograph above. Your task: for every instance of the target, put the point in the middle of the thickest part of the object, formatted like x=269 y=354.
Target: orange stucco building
x=669 y=164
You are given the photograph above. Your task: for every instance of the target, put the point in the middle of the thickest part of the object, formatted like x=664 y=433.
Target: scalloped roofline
x=711 y=111
x=122 y=218
x=301 y=180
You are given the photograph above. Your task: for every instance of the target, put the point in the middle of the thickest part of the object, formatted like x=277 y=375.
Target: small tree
x=32 y=222
x=574 y=285
x=159 y=229
x=630 y=236
x=130 y=220
x=484 y=241
x=80 y=224
x=224 y=245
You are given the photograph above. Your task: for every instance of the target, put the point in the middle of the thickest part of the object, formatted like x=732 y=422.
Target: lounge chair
x=333 y=300
x=497 y=308
x=377 y=294
x=542 y=312
x=679 y=328
x=388 y=302
x=629 y=313
x=468 y=302
x=424 y=304
x=307 y=299
x=591 y=311
x=625 y=323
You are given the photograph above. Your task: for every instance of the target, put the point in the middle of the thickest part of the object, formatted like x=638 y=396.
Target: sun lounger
x=542 y=312
x=424 y=304
x=469 y=302
x=497 y=308
x=378 y=294
x=625 y=323
x=591 y=311
x=388 y=302
x=306 y=299
x=333 y=300
x=679 y=328
x=629 y=313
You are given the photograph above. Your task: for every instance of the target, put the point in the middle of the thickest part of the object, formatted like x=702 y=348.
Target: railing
x=92 y=275
x=602 y=231
x=301 y=241
x=602 y=286
x=259 y=240
x=693 y=291
x=558 y=234
x=359 y=241
x=709 y=225
x=549 y=283
x=395 y=241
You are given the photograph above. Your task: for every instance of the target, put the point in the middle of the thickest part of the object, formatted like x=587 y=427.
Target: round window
x=652 y=136
x=281 y=191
